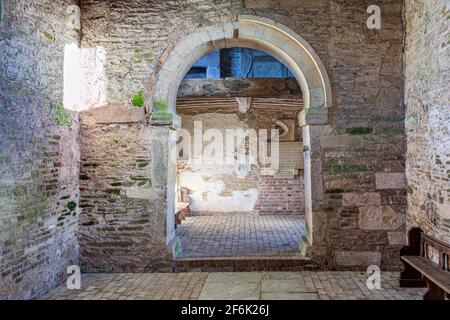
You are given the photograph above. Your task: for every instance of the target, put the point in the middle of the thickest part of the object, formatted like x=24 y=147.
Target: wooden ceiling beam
x=283 y=88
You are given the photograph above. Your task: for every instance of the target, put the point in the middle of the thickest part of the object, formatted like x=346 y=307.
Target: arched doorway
x=278 y=41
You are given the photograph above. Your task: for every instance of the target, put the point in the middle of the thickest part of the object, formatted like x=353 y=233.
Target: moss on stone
x=49 y=36
x=386 y=118
x=161 y=106
x=139 y=178
x=356 y=143
x=334 y=191
x=345 y=168
x=411 y=117
x=391 y=130
x=143 y=164
x=89 y=223
x=138 y=99
x=141 y=55
x=162 y=118
x=61 y=116
x=308 y=232
x=19 y=191
x=8 y=243
x=307 y=110
x=107 y=229
x=72 y=205
x=359 y=131
x=113 y=191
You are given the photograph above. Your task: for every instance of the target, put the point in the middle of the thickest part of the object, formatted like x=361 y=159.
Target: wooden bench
x=421 y=271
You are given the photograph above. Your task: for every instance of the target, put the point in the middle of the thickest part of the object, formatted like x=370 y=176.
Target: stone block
x=112 y=113
x=289 y=296
x=256 y=4
x=232 y=277
x=357 y=258
x=50 y=222
x=227 y=291
x=380 y=218
x=142 y=193
x=316 y=116
x=412 y=121
x=359 y=200
x=340 y=141
x=162 y=118
x=397 y=238
x=385 y=181
x=282 y=286
x=159 y=164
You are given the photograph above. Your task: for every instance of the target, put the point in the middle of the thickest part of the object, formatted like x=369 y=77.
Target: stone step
x=242 y=264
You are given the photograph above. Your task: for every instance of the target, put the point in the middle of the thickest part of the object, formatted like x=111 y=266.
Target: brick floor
x=305 y=285
x=148 y=286
x=240 y=235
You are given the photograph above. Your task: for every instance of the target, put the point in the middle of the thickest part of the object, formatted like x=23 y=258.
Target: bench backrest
x=442 y=248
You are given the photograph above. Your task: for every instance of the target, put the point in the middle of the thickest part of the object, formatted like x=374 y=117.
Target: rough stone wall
x=361 y=217
x=123 y=192
x=427 y=98
x=363 y=159
x=39 y=159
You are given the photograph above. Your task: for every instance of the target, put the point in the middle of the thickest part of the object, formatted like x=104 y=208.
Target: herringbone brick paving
x=240 y=235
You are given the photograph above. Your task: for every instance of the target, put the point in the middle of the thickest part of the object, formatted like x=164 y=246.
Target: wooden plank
x=430 y=271
x=240 y=87
x=230 y=105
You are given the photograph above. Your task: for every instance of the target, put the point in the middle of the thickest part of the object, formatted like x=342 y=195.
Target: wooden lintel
x=284 y=88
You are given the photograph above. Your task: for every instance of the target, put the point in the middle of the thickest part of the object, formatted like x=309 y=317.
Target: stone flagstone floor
x=240 y=235
x=240 y=286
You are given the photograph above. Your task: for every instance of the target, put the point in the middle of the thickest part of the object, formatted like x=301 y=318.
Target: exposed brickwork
x=281 y=196
x=427 y=98
x=38 y=159
x=276 y=195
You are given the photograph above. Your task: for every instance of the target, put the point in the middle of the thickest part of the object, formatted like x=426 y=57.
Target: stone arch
x=275 y=39
x=256 y=33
